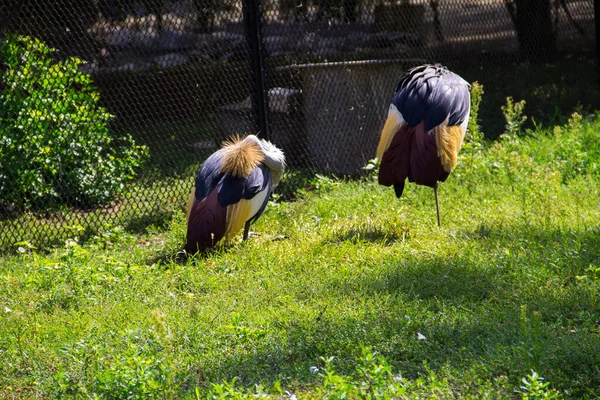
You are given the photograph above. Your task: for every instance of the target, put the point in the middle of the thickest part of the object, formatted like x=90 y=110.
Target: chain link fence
x=313 y=76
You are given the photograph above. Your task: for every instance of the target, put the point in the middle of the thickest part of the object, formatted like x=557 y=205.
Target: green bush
x=55 y=145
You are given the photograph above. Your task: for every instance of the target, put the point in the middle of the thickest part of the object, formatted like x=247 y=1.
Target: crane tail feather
x=392 y=124
x=206 y=223
x=395 y=161
x=425 y=164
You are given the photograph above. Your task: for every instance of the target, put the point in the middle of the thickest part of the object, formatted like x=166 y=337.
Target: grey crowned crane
x=232 y=190
x=424 y=130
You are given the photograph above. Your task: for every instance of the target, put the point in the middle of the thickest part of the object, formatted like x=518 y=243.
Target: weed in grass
x=474 y=134
x=515 y=118
x=534 y=387
x=133 y=375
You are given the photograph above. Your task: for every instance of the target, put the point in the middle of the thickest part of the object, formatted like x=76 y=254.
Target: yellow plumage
x=241 y=157
x=237 y=215
x=448 y=140
x=392 y=125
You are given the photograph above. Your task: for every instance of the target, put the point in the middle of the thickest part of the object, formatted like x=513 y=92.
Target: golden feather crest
x=241 y=156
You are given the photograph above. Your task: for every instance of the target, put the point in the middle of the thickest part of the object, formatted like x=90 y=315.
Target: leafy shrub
x=474 y=138
x=572 y=150
x=577 y=151
x=55 y=143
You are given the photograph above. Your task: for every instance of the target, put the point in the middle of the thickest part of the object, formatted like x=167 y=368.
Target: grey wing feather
x=233 y=189
x=269 y=188
x=432 y=94
x=209 y=175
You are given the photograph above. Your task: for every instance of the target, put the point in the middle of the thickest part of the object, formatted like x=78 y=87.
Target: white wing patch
x=257 y=201
x=465 y=123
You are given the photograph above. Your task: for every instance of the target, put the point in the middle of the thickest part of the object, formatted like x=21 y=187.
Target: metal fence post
x=258 y=67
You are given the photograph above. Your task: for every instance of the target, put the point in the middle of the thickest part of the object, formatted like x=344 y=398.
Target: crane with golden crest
x=424 y=130
x=232 y=190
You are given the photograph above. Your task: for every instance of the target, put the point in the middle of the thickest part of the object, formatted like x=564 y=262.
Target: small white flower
x=313 y=370
x=21 y=250
x=7 y=310
x=420 y=336
x=397 y=378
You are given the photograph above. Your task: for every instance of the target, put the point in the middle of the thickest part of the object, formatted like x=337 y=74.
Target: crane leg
x=437 y=204
x=246 y=229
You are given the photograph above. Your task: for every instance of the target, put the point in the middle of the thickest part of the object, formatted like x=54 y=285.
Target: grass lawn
x=346 y=292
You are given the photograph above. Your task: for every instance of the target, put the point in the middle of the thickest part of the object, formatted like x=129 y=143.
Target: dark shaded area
x=552 y=91
x=357 y=235
x=533 y=24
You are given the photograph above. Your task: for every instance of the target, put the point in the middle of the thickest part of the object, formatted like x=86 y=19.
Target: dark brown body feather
x=413 y=154
x=206 y=223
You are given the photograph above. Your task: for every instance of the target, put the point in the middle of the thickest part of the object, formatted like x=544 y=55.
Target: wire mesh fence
x=118 y=138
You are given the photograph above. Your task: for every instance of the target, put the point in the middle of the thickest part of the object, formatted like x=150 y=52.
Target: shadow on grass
x=180 y=256
x=293 y=183
x=364 y=234
x=456 y=279
x=491 y=312
x=160 y=219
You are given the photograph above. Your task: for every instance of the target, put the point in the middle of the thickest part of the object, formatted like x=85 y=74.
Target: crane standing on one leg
x=424 y=130
x=232 y=190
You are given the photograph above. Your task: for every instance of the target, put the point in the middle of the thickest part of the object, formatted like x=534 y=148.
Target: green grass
x=331 y=282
